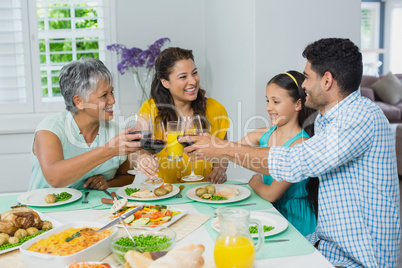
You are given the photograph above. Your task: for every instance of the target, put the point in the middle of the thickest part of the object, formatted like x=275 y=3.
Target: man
x=352 y=153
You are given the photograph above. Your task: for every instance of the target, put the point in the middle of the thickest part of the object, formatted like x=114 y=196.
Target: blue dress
x=293 y=205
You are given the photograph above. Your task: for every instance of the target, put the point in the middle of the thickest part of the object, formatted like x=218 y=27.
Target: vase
x=142 y=83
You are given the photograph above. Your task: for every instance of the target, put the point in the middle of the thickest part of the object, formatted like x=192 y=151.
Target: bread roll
x=183 y=256
x=137 y=260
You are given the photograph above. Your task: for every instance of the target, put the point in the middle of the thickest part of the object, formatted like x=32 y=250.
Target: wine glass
x=191 y=127
x=140 y=122
x=153 y=143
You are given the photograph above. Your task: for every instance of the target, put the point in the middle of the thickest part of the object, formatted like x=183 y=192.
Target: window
x=37 y=39
x=396 y=38
x=370 y=37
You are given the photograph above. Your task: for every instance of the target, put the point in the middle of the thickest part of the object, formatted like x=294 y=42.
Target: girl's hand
x=218 y=175
x=255 y=181
x=97 y=182
x=148 y=165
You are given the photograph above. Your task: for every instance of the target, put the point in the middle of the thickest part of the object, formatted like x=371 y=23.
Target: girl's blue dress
x=294 y=204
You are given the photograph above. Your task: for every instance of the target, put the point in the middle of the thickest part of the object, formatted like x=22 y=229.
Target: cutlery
x=275 y=240
x=112 y=194
x=238 y=205
x=85 y=198
x=240 y=183
x=121 y=218
x=181 y=187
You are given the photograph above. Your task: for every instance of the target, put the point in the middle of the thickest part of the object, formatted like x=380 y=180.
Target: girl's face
x=100 y=103
x=280 y=106
x=184 y=81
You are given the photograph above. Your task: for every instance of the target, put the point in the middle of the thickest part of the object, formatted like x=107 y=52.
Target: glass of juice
x=234 y=246
x=174 y=148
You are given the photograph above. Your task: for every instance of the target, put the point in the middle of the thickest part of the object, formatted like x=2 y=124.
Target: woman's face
x=280 y=106
x=184 y=81
x=100 y=103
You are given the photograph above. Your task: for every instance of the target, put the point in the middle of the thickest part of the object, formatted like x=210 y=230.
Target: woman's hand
x=123 y=143
x=97 y=182
x=217 y=175
x=148 y=164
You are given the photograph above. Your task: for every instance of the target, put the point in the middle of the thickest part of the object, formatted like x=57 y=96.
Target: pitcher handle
x=260 y=241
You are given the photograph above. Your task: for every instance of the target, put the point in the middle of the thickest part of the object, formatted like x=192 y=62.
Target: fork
x=181 y=187
x=237 y=205
x=85 y=201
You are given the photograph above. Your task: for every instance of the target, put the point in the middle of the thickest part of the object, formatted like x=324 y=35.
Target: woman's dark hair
x=285 y=80
x=163 y=99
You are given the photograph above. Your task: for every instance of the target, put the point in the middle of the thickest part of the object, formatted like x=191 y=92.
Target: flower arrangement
x=135 y=60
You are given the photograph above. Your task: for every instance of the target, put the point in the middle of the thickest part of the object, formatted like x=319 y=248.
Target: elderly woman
x=81 y=148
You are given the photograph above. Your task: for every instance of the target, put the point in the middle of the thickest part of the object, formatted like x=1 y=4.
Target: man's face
x=315 y=94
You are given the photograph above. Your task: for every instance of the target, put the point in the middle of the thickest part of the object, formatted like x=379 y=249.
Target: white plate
x=37 y=197
x=244 y=193
x=43 y=217
x=166 y=224
x=93 y=262
x=141 y=186
x=268 y=219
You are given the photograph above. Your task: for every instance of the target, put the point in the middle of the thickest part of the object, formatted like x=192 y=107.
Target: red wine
x=153 y=146
x=185 y=143
x=145 y=134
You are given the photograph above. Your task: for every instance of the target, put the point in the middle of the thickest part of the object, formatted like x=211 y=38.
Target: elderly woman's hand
x=148 y=164
x=97 y=182
x=124 y=143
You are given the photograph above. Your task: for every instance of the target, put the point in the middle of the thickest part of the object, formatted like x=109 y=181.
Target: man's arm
x=213 y=149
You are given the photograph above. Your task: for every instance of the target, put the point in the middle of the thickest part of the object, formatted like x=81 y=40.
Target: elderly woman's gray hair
x=82 y=78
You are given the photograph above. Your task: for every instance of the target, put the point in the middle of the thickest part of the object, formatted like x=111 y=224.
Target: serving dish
x=37 y=197
x=43 y=217
x=244 y=193
x=119 y=250
x=121 y=192
x=174 y=217
x=95 y=252
x=279 y=223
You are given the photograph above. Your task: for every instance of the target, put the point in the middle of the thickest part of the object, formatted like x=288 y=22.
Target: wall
x=238 y=45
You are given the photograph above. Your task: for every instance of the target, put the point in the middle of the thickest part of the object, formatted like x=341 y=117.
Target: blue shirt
x=73 y=143
x=353 y=155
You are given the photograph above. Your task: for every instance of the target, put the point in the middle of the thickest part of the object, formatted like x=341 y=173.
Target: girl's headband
x=293 y=78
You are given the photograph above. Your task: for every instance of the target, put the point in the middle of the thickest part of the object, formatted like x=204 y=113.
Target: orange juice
x=234 y=251
x=174 y=148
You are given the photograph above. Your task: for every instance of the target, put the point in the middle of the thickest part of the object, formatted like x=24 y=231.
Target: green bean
x=130 y=190
x=218 y=198
x=63 y=196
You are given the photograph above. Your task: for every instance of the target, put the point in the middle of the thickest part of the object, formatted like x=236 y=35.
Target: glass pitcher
x=234 y=246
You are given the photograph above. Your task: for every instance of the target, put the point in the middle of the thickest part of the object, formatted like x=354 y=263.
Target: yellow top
x=172 y=171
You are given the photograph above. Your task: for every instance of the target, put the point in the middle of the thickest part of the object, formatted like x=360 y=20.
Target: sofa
x=392 y=111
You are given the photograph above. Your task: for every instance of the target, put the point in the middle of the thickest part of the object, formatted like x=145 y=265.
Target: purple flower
x=136 y=57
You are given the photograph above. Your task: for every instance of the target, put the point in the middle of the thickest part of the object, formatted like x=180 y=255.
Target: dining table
x=288 y=248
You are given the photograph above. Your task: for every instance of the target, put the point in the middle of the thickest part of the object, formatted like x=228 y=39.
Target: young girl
x=285 y=106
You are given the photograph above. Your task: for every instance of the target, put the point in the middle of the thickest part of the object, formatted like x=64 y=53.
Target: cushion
x=388 y=88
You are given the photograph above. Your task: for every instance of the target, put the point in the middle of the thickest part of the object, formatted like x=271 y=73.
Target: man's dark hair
x=340 y=57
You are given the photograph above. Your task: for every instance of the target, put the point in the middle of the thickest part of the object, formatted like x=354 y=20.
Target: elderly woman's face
x=100 y=103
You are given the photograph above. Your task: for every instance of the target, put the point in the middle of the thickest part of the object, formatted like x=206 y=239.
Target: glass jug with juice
x=234 y=246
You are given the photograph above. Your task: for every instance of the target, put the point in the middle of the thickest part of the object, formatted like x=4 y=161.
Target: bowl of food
x=67 y=243
x=146 y=240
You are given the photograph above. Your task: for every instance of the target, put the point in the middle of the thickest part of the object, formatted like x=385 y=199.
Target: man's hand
x=217 y=175
x=148 y=165
x=205 y=147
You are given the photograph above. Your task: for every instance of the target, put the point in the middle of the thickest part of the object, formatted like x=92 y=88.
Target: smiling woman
x=81 y=147
x=175 y=92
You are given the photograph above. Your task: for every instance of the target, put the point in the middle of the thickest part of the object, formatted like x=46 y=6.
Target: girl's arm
x=253 y=138
x=218 y=173
x=272 y=192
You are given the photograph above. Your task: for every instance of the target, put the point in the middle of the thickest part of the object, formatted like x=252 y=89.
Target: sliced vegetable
x=129 y=219
x=206 y=196
x=140 y=222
